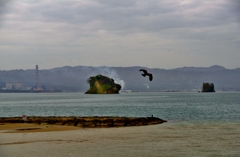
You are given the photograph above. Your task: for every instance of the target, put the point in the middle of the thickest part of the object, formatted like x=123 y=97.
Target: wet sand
x=31 y=128
x=165 y=140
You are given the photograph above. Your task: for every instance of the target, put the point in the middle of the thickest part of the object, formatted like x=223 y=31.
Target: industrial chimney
x=36 y=76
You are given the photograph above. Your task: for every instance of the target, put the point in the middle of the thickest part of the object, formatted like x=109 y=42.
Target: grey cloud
x=4 y=7
x=120 y=16
x=4 y=4
x=116 y=4
x=127 y=17
x=100 y=27
x=234 y=9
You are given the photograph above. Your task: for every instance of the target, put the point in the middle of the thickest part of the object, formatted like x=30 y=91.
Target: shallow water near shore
x=199 y=124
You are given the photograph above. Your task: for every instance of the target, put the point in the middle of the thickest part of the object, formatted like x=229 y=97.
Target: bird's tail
x=144 y=75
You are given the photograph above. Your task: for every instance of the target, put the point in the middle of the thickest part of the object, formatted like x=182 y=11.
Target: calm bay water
x=172 y=106
x=199 y=125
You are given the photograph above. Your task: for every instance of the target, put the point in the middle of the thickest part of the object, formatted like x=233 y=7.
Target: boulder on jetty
x=86 y=122
x=208 y=87
x=102 y=85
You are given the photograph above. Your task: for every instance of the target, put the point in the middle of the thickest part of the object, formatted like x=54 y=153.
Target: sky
x=164 y=34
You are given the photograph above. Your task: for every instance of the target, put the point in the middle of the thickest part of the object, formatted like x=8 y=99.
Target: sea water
x=198 y=124
x=174 y=106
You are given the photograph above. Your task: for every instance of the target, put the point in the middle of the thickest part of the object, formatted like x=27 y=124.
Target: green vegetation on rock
x=208 y=87
x=102 y=85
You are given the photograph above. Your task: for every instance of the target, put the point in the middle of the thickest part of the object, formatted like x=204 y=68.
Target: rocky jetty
x=85 y=122
x=102 y=85
x=208 y=87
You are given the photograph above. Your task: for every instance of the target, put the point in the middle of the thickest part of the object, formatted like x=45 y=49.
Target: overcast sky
x=162 y=34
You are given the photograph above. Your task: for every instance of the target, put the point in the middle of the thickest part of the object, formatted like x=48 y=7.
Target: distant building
x=14 y=85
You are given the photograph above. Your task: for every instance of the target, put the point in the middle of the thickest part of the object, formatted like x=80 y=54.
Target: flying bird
x=145 y=73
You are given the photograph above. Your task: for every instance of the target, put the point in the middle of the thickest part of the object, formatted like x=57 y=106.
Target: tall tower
x=36 y=76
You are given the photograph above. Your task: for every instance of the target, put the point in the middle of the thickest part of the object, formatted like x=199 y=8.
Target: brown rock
x=89 y=122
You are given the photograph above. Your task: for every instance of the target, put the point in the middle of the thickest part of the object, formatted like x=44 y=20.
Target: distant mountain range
x=75 y=78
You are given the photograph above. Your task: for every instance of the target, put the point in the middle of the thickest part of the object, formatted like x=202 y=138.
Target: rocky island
x=102 y=85
x=208 y=87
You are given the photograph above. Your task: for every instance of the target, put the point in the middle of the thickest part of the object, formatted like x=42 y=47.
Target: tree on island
x=102 y=85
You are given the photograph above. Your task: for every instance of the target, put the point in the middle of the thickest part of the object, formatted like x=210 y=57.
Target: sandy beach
x=164 y=140
x=31 y=128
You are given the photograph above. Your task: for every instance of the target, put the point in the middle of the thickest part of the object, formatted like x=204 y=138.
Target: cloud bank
x=158 y=34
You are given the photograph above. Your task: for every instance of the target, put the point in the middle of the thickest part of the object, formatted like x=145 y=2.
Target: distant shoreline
x=30 y=91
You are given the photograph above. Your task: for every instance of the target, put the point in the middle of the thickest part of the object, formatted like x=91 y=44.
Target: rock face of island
x=86 y=122
x=102 y=85
x=208 y=87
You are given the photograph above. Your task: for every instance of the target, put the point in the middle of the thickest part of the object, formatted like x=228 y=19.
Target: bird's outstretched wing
x=150 y=77
x=146 y=73
x=143 y=70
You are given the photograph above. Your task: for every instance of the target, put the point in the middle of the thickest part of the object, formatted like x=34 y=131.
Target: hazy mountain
x=75 y=78
x=212 y=68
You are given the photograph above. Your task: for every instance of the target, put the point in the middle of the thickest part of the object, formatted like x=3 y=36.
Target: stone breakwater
x=86 y=122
